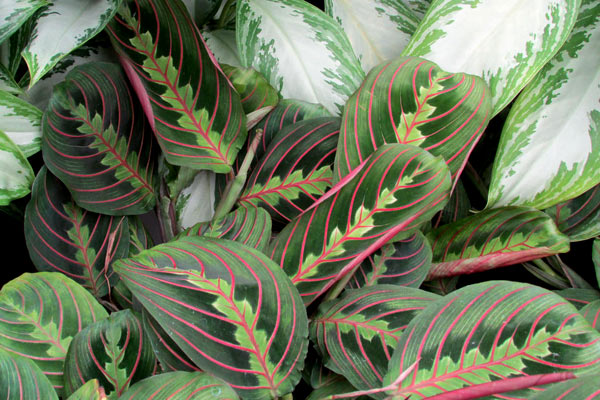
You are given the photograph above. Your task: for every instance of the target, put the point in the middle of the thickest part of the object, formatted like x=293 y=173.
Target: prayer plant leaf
x=254 y=90
x=230 y=309
x=549 y=147
x=487 y=332
x=506 y=43
x=39 y=316
x=22 y=379
x=413 y=101
x=65 y=238
x=591 y=312
x=494 y=238
x=193 y=109
x=90 y=391
x=311 y=60
x=98 y=143
x=587 y=387
x=578 y=218
x=392 y=192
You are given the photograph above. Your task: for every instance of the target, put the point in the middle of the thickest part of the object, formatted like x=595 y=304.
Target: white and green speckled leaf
x=419 y=7
x=378 y=29
x=7 y=81
x=550 y=142
x=222 y=44
x=13 y=13
x=196 y=201
x=16 y=175
x=301 y=51
x=21 y=122
x=64 y=26
x=505 y=42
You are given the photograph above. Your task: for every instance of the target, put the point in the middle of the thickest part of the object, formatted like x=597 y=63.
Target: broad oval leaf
x=39 y=316
x=97 y=141
x=14 y=13
x=548 y=150
x=65 y=238
x=312 y=61
x=181 y=385
x=494 y=238
x=295 y=170
x=491 y=331
x=196 y=114
x=395 y=190
x=16 y=175
x=22 y=379
x=255 y=91
x=506 y=43
x=378 y=30
x=587 y=387
x=64 y=26
x=358 y=332
x=115 y=351
x=90 y=391
x=591 y=312
x=405 y=262
x=578 y=218
x=21 y=122
x=413 y=101
x=228 y=307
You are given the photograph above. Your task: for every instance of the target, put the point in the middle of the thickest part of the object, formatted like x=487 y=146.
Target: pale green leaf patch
x=223 y=46
x=21 y=122
x=13 y=13
x=16 y=174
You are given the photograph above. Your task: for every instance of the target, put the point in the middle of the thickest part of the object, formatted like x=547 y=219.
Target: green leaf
x=221 y=43
x=587 y=387
x=458 y=207
x=115 y=351
x=596 y=258
x=14 y=13
x=90 y=391
x=488 y=332
x=228 y=307
x=311 y=60
x=579 y=297
x=16 y=175
x=21 y=122
x=255 y=91
x=506 y=43
x=64 y=26
x=494 y=238
x=578 y=218
x=551 y=138
x=39 y=316
x=591 y=312
x=65 y=238
x=22 y=379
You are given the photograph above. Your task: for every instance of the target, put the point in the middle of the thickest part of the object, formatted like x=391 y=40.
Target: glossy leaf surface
x=22 y=379
x=312 y=61
x=578 y=218
x=65 y=238
x=295 y=170
x=492 y=331
x=254 y=90
x=506 y=43
x=228 y=307
x=494 y=238
x=548 y=150
x=196 y=114
x=16 y=175
x=39 y=316
x=413 y=101
x=358 y=332
x=394 y=191
x=114 y=350
x=21 y=122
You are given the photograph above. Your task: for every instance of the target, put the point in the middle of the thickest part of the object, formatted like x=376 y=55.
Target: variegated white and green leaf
x=196 y=202
x=21 y=122
x=378 y=30
x=504 y=42
x=311 y=59
x=222 y=43
x=16 y=175
x=419 y=7
x=64 y=26
x=7 y=81
x=550 y=142
x=13 y=13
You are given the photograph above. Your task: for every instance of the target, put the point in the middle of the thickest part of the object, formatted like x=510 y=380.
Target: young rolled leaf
x=405 y=262
x=64 y=26
x=591 y=312
x=14 y=14
x=395 y=190
x=115 y=351
x=21 y=122
x=357 y=333
x=194 y=111
x=254 y=90
x=413 y=101
x=97 y=141
x=295 y=170
x=312 y=61
x=557 y=114
x=16 y=175
x=494 y=238
x=228 y=307
x=488 y=332
x=39 y=316
x=250 y=226
x=90 y=391
x=378 y=30
x=505 y=43
x=181 y=385
x=22 y=379
x=587 y=387
x=578 y=218
x=65 y=238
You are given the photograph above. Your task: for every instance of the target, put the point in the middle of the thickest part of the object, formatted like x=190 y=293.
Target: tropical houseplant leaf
x=591 y=312
x=222 y=44
x=578 y=218
x=14 y=14
x=16 y=175
x=90 y=391
x=169 y=65
x=21 y=122
x=579 y=297
x=255 y=92
x=22 y=379
x=458 y=207
x=586 y=387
